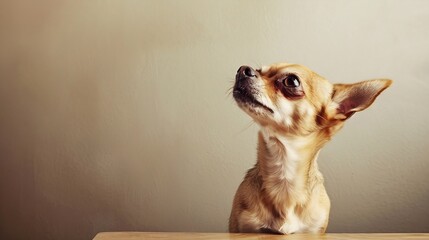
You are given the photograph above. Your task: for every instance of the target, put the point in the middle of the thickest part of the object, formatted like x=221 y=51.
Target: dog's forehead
x=282 y=68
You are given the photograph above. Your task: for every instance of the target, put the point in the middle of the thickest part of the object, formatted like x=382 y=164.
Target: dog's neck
x=287 y=166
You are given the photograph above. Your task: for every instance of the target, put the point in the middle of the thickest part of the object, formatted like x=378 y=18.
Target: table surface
x=220 y=236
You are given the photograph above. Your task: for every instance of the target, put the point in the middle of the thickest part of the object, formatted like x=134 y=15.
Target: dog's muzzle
x=244 y=87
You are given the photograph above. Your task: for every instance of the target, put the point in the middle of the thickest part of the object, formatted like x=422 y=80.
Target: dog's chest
x=295 y=223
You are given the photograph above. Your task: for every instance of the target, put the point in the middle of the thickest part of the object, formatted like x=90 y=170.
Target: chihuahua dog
x=298 y=112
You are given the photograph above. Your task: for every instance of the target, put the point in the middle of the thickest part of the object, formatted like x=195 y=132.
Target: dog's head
x=297 y=101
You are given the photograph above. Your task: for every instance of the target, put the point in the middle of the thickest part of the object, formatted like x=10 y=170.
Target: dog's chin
x=251 y=106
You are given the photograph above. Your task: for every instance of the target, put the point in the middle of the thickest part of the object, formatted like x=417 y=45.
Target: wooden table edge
x=130 y=235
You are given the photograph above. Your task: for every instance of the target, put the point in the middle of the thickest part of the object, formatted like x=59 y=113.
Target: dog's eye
x=290 y=86
x=291 y=81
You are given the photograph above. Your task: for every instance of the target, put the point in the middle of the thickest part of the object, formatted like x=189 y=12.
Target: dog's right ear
x=351 y=98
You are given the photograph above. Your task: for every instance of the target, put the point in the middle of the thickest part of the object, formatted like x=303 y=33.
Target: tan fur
x=284 y=191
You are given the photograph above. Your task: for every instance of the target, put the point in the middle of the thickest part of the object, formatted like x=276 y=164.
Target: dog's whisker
x=229 y=91
x=246 y=127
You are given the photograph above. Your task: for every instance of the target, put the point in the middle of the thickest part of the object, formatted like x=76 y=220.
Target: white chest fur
x=293 y=224
x=310 y=224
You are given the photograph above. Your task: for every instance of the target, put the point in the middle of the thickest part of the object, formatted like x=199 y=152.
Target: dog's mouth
x=244 y=96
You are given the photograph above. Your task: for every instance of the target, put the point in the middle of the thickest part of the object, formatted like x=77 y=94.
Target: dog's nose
x=246 y=71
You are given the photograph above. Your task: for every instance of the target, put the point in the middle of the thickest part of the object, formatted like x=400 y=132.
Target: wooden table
x=220 y=236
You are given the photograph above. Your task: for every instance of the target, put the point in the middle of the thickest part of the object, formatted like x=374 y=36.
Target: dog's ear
x=351 y=98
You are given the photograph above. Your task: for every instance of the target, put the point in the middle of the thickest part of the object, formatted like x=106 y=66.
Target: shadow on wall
x=60 y=100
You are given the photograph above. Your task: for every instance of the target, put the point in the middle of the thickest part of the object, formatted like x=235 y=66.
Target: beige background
x=115 y=114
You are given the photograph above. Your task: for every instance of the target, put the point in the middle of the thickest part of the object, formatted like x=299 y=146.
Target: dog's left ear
x=356 y=97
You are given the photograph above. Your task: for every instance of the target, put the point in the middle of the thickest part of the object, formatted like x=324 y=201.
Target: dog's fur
x=284 y=192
